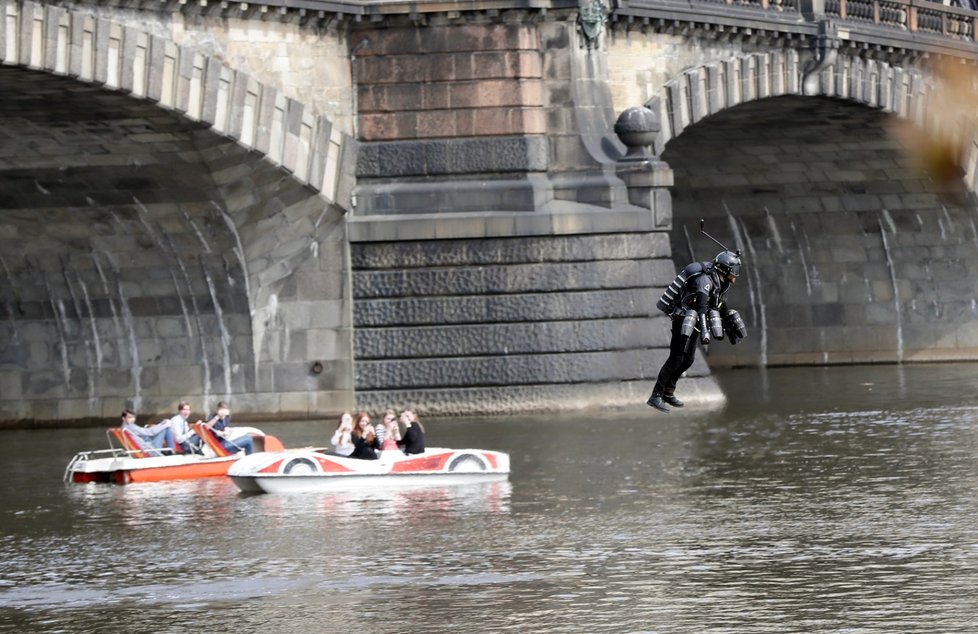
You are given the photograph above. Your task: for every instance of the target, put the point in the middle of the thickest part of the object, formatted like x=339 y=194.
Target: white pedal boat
x=301 y=470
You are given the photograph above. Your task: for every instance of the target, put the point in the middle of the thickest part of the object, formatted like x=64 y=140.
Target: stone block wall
x=443 y=81
x=450 y=116
x=292 y=247
x=483 y=113
x=503 y=260
x=503 y=322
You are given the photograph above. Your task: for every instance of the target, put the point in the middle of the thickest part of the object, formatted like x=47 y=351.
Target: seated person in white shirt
x=183 y=435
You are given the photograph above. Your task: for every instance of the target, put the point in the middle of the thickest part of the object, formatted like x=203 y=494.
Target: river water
x=819 y=500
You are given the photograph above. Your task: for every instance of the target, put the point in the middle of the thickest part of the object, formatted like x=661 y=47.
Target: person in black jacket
x=365 y=443
x=696 y=303
x=413 y=440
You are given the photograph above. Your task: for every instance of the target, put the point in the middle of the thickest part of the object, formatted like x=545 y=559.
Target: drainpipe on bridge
x=354 y=83
x=813 y=10
x=364 y=43
x=826 y=50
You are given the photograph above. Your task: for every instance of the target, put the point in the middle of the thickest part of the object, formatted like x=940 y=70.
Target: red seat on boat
x=207 y=435
x=134 y=446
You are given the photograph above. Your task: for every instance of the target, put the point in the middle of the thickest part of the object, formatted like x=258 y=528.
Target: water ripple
x=771 y=517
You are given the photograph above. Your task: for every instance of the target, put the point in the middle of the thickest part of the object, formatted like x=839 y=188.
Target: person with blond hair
x=388 y=432
x=341 y=440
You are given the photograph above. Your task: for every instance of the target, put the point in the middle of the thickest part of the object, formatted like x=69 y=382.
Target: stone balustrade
x=932 y=21
x=911 y=25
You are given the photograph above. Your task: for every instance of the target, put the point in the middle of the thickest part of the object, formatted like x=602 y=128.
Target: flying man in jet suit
x=696 y=302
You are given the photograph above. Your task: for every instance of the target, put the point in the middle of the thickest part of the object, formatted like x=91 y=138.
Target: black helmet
x=727 y=262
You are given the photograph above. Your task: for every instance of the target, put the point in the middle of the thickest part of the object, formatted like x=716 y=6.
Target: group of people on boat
x=354 y=438
x=359 y=439
x=176 y=433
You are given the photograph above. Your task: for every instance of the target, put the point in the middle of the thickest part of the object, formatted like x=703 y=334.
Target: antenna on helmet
x=703 y=231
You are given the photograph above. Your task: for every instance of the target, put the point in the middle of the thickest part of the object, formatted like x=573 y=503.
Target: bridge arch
x=910 y=93
x=77 y=42
x=254 y=293
x=853 y=255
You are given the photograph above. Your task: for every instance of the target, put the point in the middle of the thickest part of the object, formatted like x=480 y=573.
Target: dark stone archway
x=146 y=259
x=851 y=254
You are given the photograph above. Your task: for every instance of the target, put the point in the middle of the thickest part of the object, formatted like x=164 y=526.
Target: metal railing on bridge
x=909 y=15
x=913 y=24
x=912 y=16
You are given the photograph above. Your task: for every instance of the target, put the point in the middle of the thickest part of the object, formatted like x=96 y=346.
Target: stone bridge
x=308 y=206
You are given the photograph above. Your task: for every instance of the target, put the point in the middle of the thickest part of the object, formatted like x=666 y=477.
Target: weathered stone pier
x=310 y=207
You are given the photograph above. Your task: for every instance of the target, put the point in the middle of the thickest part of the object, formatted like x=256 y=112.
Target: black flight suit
x=702 y=291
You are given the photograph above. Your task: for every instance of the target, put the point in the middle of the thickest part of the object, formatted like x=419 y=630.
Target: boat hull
x=125 y=470
x=118 y=466
x=303 y=484
x=299 y=471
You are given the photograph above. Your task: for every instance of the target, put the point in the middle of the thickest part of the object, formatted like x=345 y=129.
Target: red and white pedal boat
x=128 y=460
x=301 y=470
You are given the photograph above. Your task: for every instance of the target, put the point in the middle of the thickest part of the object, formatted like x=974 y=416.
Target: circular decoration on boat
x=300 y=466
x=467 y=463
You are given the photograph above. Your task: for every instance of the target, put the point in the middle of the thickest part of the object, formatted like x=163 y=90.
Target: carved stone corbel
x=825 y=51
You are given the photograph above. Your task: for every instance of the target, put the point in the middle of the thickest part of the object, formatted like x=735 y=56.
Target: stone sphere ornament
x=637 y=128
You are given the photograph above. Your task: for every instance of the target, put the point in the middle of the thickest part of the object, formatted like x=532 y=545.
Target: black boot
x=656 y=401
x=672 y=400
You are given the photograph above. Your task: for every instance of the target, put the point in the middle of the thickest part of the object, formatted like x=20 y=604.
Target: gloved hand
x=704 y=330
